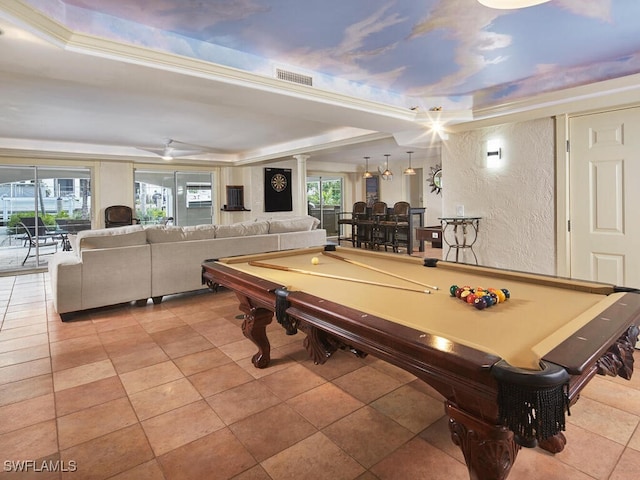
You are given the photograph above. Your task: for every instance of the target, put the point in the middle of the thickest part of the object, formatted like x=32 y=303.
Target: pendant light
x=367 y=173
x=387 y=173
x=409 y=170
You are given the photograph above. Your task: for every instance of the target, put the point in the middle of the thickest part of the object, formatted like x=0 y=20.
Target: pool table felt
x=521 y=330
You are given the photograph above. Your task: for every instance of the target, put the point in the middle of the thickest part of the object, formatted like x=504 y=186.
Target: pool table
x=508 y=372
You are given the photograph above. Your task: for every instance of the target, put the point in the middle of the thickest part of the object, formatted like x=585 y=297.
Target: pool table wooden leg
x=254 y=328
x=489 y=450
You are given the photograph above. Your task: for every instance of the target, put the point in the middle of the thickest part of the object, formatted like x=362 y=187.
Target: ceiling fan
x=174 y=149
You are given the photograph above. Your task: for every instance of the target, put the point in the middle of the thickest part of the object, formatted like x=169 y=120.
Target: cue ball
x=315 y=261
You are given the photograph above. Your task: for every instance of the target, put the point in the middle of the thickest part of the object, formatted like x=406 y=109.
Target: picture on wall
x=372 y=190
x=277 y=190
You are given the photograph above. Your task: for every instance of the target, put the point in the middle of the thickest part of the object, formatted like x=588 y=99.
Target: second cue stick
x=364 y=265
x=336 y=277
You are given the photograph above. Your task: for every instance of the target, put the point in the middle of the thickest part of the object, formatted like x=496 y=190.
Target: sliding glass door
x=40 y=207
x=182 y=198
x=324 y=201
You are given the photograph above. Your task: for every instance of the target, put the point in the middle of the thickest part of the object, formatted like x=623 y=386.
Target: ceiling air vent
x=294 y=77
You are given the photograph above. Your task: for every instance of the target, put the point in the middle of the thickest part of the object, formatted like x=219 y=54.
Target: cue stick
x=379 y=270
x=337 y=277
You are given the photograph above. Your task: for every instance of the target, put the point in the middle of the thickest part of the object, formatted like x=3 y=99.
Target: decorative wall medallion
x=435 y=179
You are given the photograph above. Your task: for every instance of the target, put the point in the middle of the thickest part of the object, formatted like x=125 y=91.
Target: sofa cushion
x=293 y=224
x=112 y=237
x=165 y=234
x=199 y=232
x=242 y=229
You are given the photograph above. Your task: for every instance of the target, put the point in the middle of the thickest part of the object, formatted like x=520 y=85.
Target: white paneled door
x=604 y=188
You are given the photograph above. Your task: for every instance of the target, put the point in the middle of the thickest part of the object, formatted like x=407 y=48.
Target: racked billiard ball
x=480 y=303
x=464 y=294
x=488 y=300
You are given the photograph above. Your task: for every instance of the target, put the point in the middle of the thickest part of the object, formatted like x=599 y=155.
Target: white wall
x=516 y=201
x=114 y=187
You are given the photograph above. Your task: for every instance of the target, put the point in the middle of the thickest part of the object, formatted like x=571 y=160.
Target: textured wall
x=516 y=200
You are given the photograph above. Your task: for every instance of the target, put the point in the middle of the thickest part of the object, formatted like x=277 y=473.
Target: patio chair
x=119 y=216
x=39 y=241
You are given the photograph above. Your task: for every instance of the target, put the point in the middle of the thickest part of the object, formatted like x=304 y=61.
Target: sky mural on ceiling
x=400 y=51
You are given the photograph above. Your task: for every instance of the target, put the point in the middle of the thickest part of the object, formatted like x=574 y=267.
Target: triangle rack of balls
x=480 y=297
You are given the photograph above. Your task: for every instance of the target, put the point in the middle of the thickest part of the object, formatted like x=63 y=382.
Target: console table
x=460 y=233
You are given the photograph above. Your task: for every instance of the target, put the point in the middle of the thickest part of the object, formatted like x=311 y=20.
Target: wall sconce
x=494 y=154
x=367 y=173
x=409 y=170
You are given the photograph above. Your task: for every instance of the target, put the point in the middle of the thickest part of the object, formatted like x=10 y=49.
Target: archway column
x=300 y=200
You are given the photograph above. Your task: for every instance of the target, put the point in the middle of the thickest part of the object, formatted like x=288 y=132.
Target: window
x=184 y=197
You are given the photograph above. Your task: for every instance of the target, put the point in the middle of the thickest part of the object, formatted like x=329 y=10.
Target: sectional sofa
x=135 y=263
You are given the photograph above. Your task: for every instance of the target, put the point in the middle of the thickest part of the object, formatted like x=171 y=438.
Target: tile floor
x=168 y=392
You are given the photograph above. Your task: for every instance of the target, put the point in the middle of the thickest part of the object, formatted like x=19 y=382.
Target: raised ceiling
x=102 y=77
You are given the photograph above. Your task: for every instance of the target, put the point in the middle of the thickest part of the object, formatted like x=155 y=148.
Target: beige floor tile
x=27 y=412
x=23 y=342
x=108 y=455
x=534 y=463
x=187 y=346
x=314 y=457
x=238 y=350
x=324 y=404
x=635 y=440
x=9 y=332
x=218 y=452
x=24 y=355
x=292 y=381
x=147 y=471
x=158 y=323
x=271 y=431
x=604 y=420
x=418 y=459
x=163 y=398
x=439 y=435
x=219 y=379
x=88 y=395
x=367 y=435
x=242 y=401
x=589 y=452
x=201 y=361
x=152 y=376
x=76 y=358
x=75 y=343
x=181 y=426
x=367 y=383
x=628 y=466
x=23 y=389
x=30 y=443
x=138 y=356
x=21 y=371
x=409 y=407
x=613 y=394
x=94 y=422
x=88 y=373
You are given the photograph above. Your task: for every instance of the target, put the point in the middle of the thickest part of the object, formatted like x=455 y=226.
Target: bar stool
x=378 y=230
x=397 y=227
x=349 y=219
